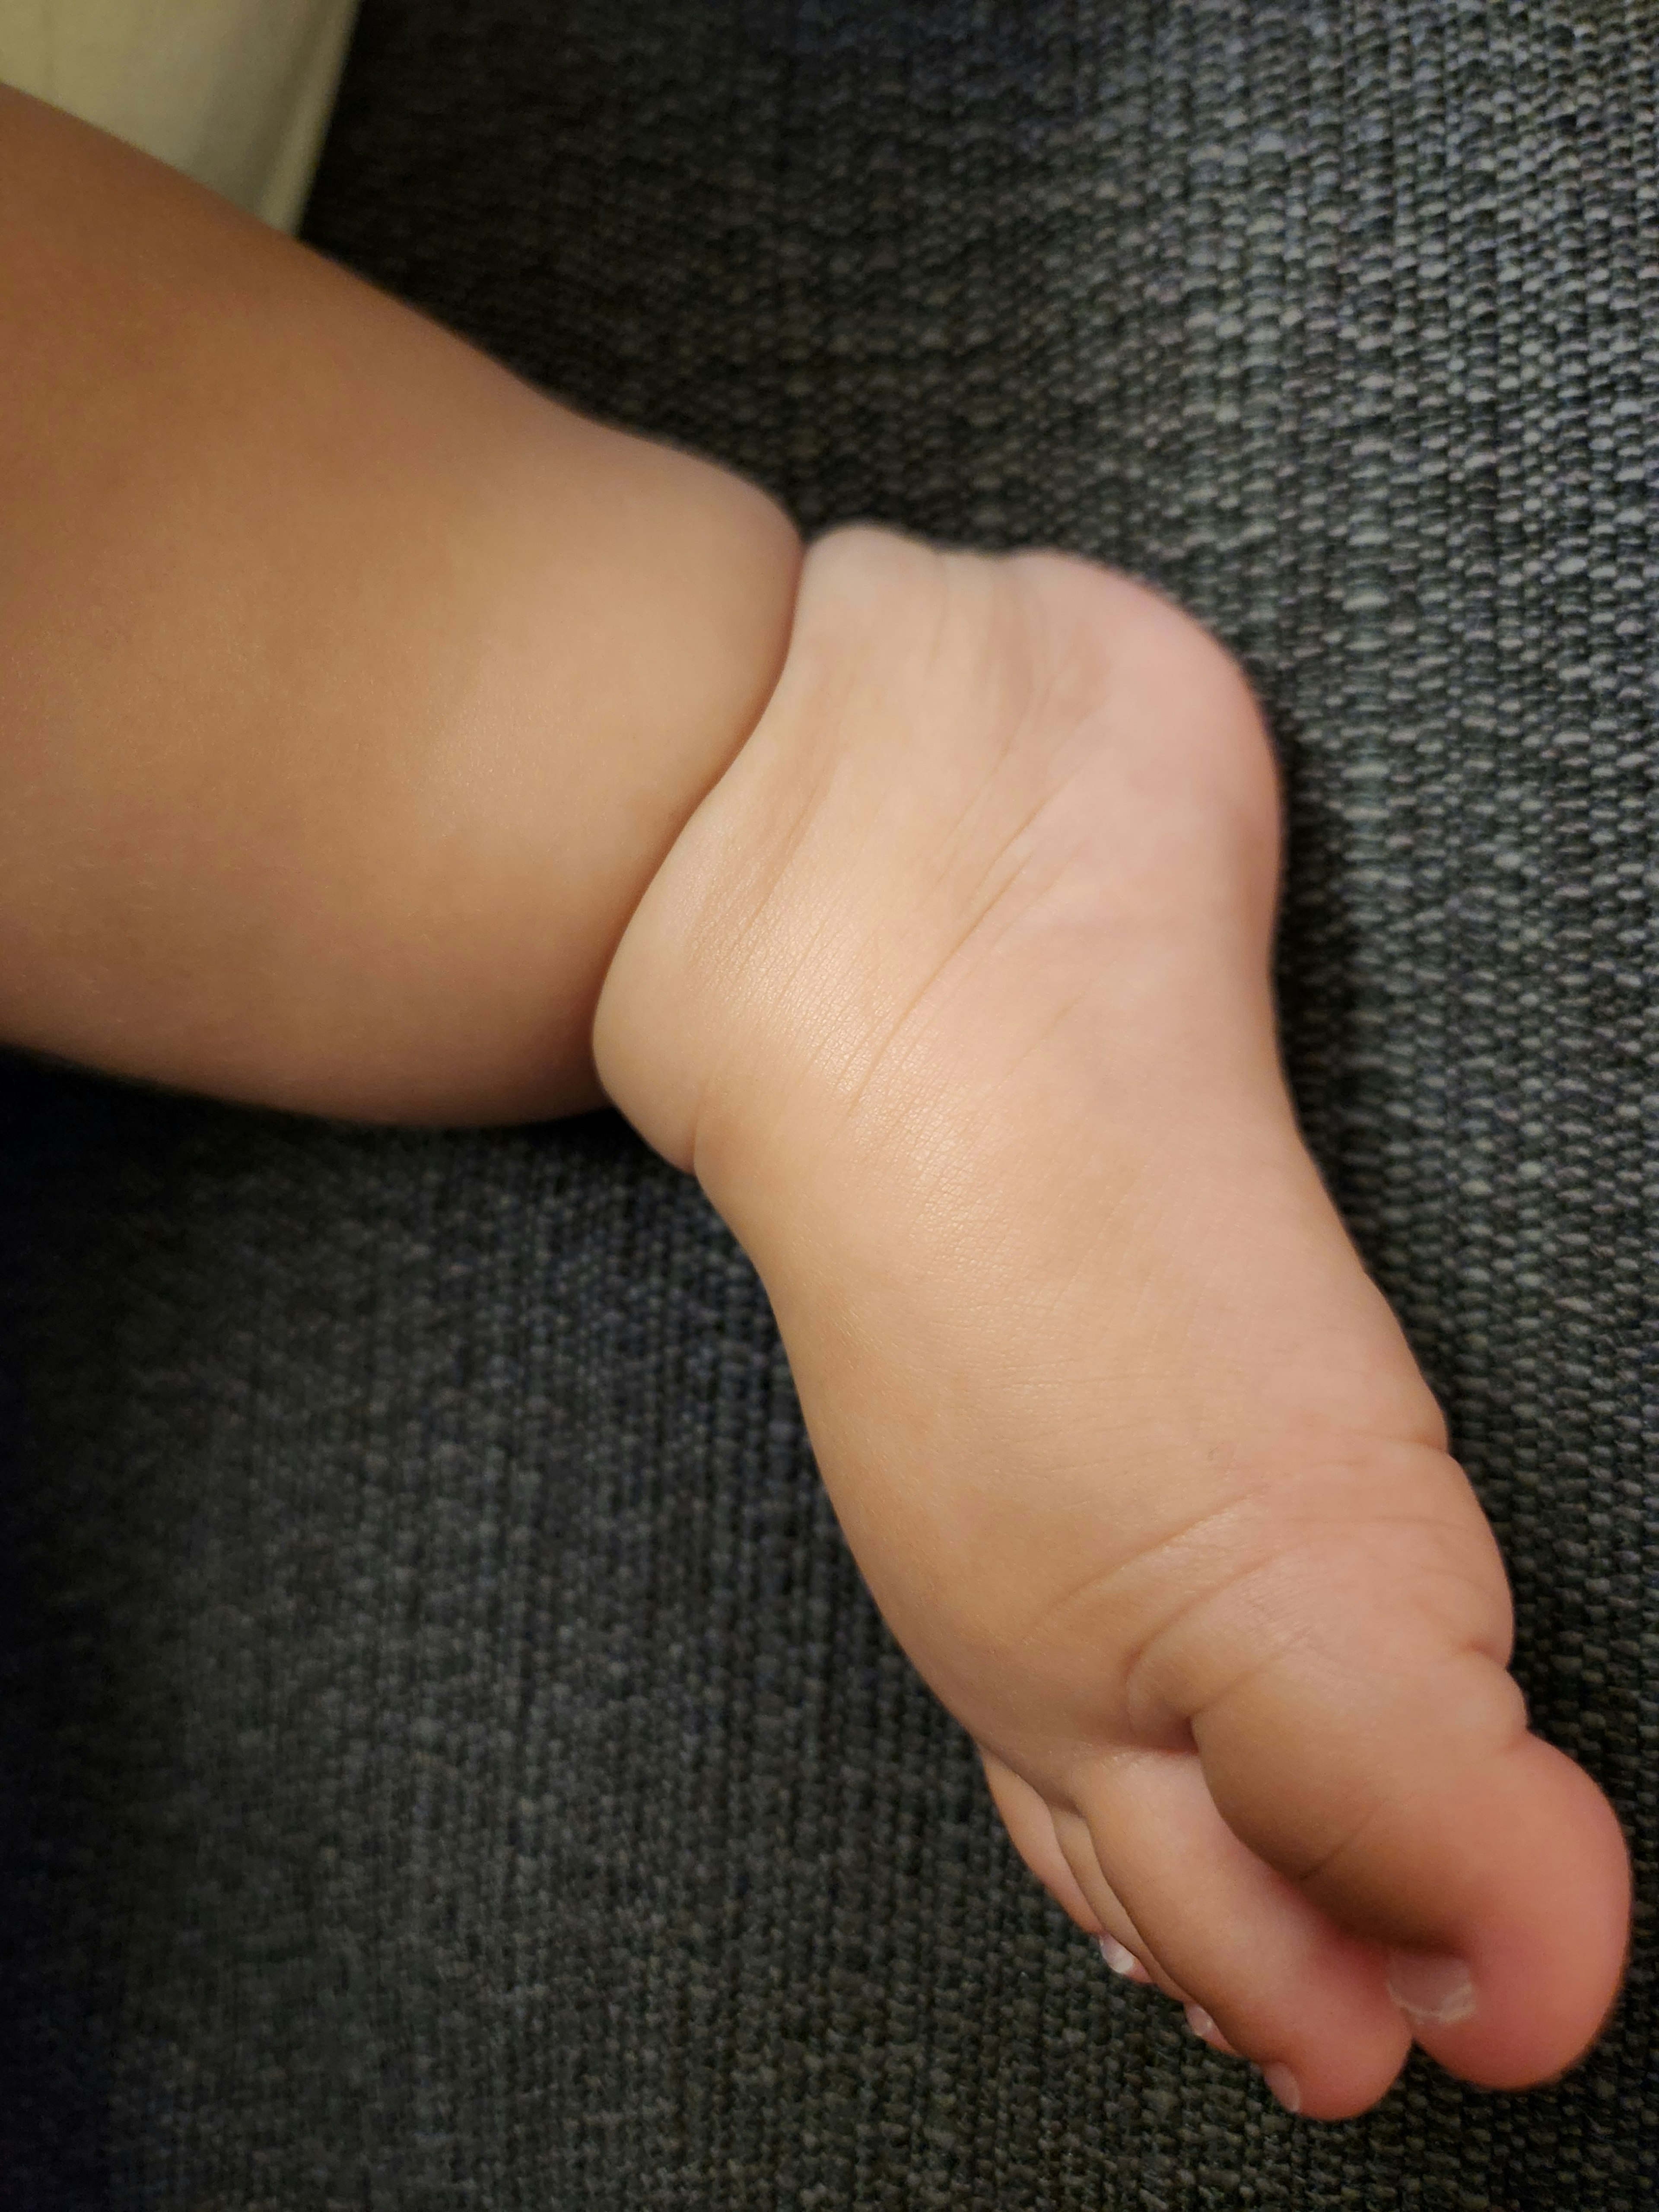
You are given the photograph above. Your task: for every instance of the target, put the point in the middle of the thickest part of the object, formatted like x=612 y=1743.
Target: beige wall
x=236 y=93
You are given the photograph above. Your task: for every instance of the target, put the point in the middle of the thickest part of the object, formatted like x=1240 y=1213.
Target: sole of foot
x=954 y=993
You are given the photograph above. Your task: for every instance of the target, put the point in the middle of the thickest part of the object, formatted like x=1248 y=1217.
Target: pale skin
x=380 y=740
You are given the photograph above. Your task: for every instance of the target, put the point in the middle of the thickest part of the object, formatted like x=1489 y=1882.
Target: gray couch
x=449 y=1758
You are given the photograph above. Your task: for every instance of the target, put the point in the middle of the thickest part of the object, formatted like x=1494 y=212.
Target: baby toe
x=1096 y=1909
x=1363 y=1738
x=1280 y=1983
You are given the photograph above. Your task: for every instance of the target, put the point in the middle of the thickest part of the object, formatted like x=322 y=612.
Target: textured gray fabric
x=461 y=1767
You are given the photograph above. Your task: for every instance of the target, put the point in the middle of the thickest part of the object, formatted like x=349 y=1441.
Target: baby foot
x=954 y=993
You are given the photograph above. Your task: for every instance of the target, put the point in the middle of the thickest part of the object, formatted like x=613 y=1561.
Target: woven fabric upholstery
x=460 y=1765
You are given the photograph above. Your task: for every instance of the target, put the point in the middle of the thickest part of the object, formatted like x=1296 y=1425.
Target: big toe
x=1513 y=1964
x=1359 y=1730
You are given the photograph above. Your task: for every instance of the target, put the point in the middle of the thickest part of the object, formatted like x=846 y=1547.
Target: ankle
x=955 y=743
x=682 y=1017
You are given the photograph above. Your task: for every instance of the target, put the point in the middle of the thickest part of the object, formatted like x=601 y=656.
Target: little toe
x=1031 y=1828
x=1086 y=1862
x=1098 y=1911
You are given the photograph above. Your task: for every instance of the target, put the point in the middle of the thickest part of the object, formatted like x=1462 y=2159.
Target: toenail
x=1204 y=2027
x=1285 y=2086
x=1122 y=1961
x=1427 y=1985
